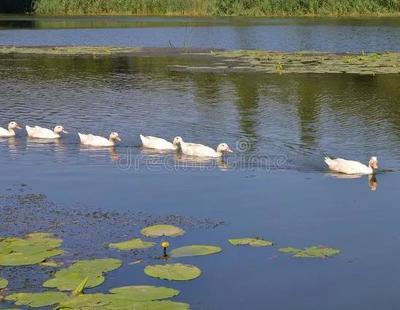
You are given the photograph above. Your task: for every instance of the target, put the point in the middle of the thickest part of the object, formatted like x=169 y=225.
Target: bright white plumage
x=156 y=143
x=92 y=140
x=350 y=166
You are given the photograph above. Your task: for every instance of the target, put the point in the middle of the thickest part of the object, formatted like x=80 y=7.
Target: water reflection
x=296 y=117
x=372 y=180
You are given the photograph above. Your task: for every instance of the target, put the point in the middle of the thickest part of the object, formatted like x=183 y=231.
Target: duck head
x=114 y=136
x=13 y=125
x=373 y=162
x=224 y=148
x=59 y=129
x=177 y=141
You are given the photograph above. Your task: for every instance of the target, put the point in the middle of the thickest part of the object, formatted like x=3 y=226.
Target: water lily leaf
x=3 y=283
x=132 y=244
x=116 y=302
x=69 y=278
x=24 y=259
x=144 y=292
x=162 y=230
x=37 y=300
x=177 y=272
x=33 y=249
x=195 y=250
x=255 y=242
x=312 y=251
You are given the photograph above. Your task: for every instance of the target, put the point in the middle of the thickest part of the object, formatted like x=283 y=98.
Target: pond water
x=275 y=185
x=288 y=34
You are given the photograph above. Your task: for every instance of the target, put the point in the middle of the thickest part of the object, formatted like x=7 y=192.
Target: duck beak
x=229 y=150
x=118 y=139
x=64 y=131
x=19 y=127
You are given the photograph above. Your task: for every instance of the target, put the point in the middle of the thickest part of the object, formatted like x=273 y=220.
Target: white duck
x=200 y=150
x=156 y=143
x=92 y=140
x=44 y=133
x=10 y=131
x=352 y=167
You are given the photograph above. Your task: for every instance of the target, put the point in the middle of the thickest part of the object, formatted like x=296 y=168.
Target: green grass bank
x=218 y=7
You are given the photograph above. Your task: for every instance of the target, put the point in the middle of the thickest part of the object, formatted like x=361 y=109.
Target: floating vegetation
x=312 y=251
x=161 y=231
x=35 y=248
x=176 y=272
x=301 y=62
x=70 y=50
x=255 y=242
x=116 y=301
x=3 y=283
x=69 y=278
x=195 y=250
x=132 y=244
x=145 y=292
x=37 y=300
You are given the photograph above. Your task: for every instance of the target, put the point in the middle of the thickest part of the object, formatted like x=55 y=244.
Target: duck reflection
x=98 y=152
x=372 y=180
x=185 y=161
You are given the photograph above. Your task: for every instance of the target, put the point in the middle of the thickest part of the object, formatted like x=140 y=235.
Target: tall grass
x=218 y=7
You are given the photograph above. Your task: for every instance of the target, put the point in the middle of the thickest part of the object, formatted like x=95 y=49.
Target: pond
x=275 y=185
x=283 y=34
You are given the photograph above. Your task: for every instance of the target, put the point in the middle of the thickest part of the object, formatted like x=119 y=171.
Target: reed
x=218 y=7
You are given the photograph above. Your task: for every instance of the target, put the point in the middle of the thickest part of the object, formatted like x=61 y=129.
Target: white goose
x=156 y=143
x=352 y=167
x=10 y=131
x=44 y=133
x=92 y=140
x=200 y=150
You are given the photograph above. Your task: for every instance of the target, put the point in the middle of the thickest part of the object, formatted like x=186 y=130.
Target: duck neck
x=11 y=131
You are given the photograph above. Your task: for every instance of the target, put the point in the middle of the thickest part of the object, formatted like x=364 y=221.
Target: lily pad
x=144 y=292
x=3 y=283
x=255 y=242
x=37 y=300
x=176 y=272
x=195 y=250
x=33 y=249
x=162 y=230
x=69 y=278
x=115 y=301
x=312 y=251
x=132 y=244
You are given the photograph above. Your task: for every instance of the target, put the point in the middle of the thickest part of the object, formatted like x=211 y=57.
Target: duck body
x=156 y=143
x=199 y=150
x=10 y=131
x=41 y=133
x=348 y=166
x=6 y=133
x=92 y=140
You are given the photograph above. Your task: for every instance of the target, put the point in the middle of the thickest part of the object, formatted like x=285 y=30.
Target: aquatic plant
x=3 y=283
x=132 y=244
x=69 y=278
x=312 y=251
x=37 y=300
x=176 y=272
x=195 y=250
x=161 y=231
x=145 y=292
x=33 y=249
x=255 y=242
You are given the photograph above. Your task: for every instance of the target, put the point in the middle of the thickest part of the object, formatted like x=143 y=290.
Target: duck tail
x=328 y=160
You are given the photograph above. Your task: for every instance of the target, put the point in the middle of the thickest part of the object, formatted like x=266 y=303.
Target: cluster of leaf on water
x=70 y=282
